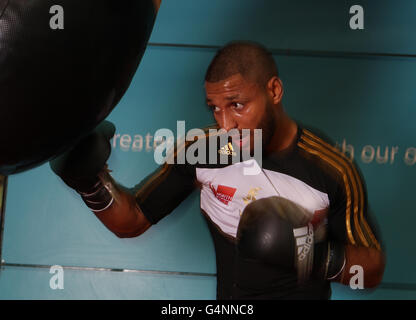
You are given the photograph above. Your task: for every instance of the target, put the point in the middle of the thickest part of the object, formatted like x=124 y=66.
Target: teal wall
x=364 y=100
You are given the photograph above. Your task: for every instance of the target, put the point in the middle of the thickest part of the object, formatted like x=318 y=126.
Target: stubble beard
x=267 y=124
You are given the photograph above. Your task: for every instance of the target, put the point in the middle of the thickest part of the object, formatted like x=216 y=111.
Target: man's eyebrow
x=232 y=97
x=229 y=98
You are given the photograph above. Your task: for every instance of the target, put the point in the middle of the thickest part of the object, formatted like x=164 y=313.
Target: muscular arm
x=353 y=224
x=132 y=211
x=365 y=250
x=124 y=217
x=361 y=245
x=371 y=260
x=360 y=237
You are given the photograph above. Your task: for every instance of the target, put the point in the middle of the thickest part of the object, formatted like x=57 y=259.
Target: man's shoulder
x=318 y=142
x=315 y=133
x=321 y=152
x=326 y=154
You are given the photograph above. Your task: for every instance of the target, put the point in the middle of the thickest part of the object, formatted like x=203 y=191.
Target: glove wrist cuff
x=329 y=260
x=97 y=198
x=336 y=260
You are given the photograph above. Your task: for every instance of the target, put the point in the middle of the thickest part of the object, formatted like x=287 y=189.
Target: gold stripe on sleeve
x=363 y=220
x=347 y=187
x=347 y=171
x=353 y=174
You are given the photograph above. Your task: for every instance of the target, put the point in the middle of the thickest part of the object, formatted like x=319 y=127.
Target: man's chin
x=247 y=144
x=248 y=148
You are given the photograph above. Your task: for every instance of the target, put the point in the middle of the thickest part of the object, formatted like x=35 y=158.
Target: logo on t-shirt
x=319 y=217
x=223 y=193
x=227 y=150
x=251 y=195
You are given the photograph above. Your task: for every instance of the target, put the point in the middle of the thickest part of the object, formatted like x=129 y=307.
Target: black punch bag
x=57 y=84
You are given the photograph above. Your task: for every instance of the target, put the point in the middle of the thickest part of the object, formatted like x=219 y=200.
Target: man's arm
x=125 y=212
x=352 y=225
x=123 y=217
x=352 y=236
x=133 y=211
x=372 y=261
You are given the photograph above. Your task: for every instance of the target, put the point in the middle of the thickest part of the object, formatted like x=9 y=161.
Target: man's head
x=243 y=89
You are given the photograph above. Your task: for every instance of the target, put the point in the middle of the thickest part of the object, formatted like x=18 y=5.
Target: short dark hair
x=252 y=60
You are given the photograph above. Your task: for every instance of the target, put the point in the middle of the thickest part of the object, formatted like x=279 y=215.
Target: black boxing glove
x=81 y=166
x=277 y=231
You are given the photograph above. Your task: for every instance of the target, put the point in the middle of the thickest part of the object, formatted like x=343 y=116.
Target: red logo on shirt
x=319 y=216
x=223 y=193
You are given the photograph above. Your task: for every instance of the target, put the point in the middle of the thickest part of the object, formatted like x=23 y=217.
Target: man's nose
x=227 y=121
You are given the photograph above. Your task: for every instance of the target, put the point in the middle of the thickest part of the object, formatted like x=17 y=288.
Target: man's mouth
x=242 y=140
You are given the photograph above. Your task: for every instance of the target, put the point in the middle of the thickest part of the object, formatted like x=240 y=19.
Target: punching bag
x=64 y=65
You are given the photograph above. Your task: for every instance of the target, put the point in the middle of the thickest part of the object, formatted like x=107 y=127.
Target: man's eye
x=215 y=109
x=238 y=106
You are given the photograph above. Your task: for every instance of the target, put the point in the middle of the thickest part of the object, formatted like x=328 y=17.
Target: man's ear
x=275 y=88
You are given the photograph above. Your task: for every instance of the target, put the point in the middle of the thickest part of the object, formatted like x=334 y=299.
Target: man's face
x=238 y=103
